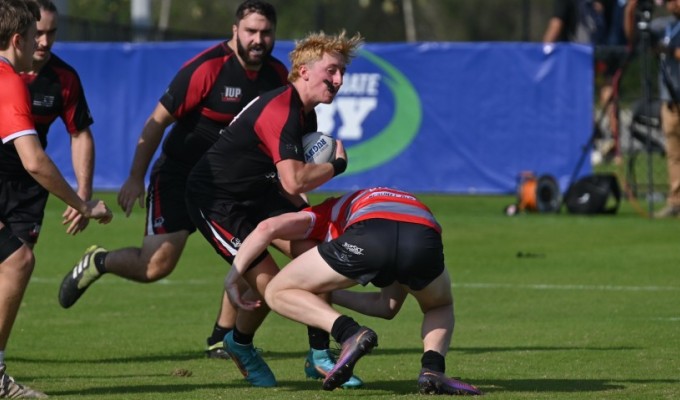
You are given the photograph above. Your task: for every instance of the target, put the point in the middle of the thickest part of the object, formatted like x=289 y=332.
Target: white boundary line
x=610 y=288
x=539 y=286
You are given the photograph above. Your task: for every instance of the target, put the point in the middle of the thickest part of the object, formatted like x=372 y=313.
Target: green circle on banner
x=401 y=130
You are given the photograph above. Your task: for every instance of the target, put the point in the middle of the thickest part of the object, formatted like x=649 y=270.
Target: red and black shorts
x=166 y=210
x=22 y=208
x=383 y=251
x=226 y=223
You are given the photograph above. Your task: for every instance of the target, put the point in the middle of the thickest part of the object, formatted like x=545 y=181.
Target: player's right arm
x=289 y=226
x=297 y=177
x=133 y=189
x=38 y=164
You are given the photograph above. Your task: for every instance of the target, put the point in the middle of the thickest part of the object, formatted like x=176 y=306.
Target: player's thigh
x=436 y=294
x=310 y=272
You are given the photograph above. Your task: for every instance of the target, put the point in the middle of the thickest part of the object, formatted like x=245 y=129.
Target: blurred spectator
x=610 y=57
x=598 y=23
x=579 y=21
x=665 y=38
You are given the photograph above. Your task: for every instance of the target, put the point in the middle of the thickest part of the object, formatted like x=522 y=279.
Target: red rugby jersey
x=331 y=218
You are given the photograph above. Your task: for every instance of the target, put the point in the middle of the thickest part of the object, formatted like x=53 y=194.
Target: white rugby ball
x=319 y=147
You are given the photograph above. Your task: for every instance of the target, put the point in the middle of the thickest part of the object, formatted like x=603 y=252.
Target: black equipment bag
x=594 y=194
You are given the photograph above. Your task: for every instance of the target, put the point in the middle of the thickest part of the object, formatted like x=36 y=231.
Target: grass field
x=548 y=307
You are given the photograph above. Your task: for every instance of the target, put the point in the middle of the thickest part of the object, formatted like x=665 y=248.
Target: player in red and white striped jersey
x=381 y=236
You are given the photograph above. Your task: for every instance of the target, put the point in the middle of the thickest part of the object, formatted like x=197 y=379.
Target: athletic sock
x=99 y=259
x=318 y=338
x=243 y=338
x=433 y=361
x=217 y=334
x=343 y=328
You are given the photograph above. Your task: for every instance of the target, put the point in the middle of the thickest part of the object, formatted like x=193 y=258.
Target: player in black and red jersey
x=380 y=235
x=256 y=169
x=203 y=97
x=25 y=173
x=56 y=92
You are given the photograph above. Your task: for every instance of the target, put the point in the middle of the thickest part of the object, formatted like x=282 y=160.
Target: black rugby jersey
x=55 y=91
x=242 y=163
x=207 y=93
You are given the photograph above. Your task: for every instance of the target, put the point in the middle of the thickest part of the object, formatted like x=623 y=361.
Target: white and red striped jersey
x=332 y=217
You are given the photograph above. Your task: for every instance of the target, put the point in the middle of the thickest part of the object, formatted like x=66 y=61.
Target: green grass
x=593 y=314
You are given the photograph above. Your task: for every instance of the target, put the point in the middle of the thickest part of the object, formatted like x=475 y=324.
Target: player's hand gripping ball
x=319 y=148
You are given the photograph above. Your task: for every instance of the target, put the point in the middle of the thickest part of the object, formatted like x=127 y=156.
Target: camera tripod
x=645 y=125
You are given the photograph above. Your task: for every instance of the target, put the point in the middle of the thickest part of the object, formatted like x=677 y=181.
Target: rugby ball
x=319 y=148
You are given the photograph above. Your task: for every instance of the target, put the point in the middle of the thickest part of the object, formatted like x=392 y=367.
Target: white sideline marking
x=608 y=288
x=116 y=280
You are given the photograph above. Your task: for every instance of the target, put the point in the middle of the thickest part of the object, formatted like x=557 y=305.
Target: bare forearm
x=553 y=30
x=252 y=247
x=82 y=154
x=384 y=304
x=146 y=147
x=149 y=139
x=49 y=177
x=289 y=226
x=39 y=165
x=303 y=178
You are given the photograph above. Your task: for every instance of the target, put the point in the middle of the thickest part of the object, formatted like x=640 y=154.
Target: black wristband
x=339 y=166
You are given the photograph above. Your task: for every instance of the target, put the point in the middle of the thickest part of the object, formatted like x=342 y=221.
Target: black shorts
x=22 y=208
x=382 y=251
x=166 y=210
x=226 y=223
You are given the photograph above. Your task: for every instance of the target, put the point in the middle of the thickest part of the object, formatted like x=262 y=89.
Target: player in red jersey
x=383 y=236
x=56 y=91
x=204 y=96
x=257 y=166
x=23 y=162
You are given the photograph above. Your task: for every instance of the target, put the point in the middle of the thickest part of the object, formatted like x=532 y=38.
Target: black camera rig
x=645 y=8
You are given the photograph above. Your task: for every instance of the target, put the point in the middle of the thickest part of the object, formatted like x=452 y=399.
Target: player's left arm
x=384 y=304
x=82 y=156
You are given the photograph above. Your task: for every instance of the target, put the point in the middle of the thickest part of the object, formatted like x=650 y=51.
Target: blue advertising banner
x=427 y=117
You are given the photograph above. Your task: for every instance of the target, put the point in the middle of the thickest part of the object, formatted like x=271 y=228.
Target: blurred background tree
x=377 y=20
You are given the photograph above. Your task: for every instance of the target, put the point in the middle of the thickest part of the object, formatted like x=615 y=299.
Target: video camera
x=645 y=6
x=644 y=13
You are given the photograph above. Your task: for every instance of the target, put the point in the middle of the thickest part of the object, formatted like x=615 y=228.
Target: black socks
x=99 y=261
x=217 y=334
x=433 y=361
x=343 y=328
x=243 y=338
x=318 y=338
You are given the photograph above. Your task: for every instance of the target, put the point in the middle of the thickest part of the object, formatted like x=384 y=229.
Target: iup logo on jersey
x=375 y=125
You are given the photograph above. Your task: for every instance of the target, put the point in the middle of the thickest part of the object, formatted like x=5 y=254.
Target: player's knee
x=270 y=296
x=21 y=261
x=26 y=260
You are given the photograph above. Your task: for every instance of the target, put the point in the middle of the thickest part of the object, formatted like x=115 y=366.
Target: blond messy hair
x=315 y=45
